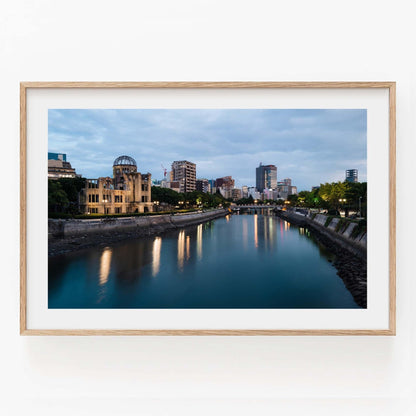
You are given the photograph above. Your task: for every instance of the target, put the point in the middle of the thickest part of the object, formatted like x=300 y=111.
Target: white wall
x=207 y=40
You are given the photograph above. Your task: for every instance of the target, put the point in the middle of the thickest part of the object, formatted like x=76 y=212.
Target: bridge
x=236 y=208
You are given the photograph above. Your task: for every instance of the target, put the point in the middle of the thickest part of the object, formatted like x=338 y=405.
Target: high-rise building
x=184 y=172
x=227 y=182
x=266 y=177
x=202 y=185
x=351 y=175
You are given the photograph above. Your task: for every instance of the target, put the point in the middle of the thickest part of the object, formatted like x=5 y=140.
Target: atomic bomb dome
x=128 y=191
x=125 y=161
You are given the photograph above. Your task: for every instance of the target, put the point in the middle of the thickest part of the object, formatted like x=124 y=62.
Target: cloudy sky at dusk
x=309 y=146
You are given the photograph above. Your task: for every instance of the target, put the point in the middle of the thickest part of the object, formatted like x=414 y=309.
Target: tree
x=356 y=195
x=72 y=186
x=169 y=196
x=332 y=193
x=57 y=198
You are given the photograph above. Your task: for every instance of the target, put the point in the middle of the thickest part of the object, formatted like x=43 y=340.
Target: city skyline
x=309 y=146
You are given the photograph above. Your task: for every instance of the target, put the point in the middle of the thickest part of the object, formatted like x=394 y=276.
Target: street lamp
x=343 y=200
x=105 y=201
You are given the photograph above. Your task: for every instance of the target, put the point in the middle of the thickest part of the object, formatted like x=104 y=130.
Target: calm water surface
x=241 y=261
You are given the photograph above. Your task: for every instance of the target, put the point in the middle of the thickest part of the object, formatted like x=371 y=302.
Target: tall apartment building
x=351 y=175
x=184 y=172
x=266 y=177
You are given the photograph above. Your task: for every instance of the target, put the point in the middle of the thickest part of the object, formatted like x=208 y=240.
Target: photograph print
x=207 y=208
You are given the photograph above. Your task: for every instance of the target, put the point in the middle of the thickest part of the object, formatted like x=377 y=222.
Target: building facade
x=58 y=167
x=127 y=192
x=236 y=194
x=253 y=192
x=184 y=172
x=266 y=177
x=244 y=191
x=351 y=175
x=226 y=182
x=203 y=185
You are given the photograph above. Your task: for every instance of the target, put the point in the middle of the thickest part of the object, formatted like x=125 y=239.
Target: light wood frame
x=391 y=86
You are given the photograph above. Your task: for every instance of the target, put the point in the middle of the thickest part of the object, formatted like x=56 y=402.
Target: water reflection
x=245 y=232
x=236 y=264
x=256 y=232
x=157 y=246
x=199 y=241
x=188 y=247
x=105 y=265
x=181 y=249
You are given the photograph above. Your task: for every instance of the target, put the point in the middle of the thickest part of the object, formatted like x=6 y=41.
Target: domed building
x=128 y=191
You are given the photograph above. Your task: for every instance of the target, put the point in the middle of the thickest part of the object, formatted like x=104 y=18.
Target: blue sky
x=309 y=146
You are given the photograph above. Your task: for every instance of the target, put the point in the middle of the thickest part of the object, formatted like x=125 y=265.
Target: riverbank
x=349 y=248
x=70 y=235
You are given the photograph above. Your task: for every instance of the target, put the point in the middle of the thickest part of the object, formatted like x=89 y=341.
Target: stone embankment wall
x=350 y=249
x=341 y=234
x=144 y=225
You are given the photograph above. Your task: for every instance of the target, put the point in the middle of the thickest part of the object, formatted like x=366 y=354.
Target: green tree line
x=188 y=199
x=335 y=196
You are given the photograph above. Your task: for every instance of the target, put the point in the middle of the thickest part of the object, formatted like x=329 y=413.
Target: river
x=240 y=261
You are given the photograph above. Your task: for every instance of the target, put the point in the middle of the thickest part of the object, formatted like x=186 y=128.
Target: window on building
x=117 y=210
x=144 y=198
x=93 y=184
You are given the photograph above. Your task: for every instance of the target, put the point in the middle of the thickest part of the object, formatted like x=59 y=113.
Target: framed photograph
x=196 y=208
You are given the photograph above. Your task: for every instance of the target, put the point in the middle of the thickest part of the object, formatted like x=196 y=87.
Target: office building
x=266 y=177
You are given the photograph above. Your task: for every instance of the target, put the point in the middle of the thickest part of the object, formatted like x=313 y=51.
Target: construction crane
x=164 y=171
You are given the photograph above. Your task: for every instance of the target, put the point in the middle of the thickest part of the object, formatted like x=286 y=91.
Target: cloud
x=309 y=146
